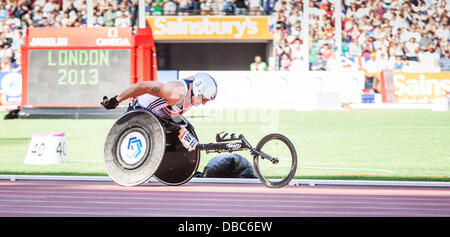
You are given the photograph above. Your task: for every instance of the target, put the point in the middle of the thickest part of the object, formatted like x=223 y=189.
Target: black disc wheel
x=275 y=174
x=178 y=165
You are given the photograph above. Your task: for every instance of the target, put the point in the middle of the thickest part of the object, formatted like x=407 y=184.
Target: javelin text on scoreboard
x=60 y=41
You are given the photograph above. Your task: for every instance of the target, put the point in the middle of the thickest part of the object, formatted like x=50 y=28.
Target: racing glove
x=110 y=103
x=187 y=139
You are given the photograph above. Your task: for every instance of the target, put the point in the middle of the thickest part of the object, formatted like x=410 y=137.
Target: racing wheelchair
x=141 y=145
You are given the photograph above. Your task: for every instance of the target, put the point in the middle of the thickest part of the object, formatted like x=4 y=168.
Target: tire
x=286 y=167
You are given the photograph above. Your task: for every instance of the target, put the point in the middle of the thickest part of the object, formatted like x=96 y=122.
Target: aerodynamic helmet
x=204 y=84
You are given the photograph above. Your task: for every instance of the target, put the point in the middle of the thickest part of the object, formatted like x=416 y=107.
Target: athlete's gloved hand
x=187 y=139
x=110 y=103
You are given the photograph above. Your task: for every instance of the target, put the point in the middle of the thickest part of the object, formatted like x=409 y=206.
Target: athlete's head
x=204 y=88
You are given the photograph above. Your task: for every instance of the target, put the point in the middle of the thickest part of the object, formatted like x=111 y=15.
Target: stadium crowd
x=397 y=34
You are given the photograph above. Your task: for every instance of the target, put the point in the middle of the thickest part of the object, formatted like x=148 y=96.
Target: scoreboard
x=76 y=67
x=76 y=76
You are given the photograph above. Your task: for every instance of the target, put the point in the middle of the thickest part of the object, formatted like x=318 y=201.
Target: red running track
x=86 y=199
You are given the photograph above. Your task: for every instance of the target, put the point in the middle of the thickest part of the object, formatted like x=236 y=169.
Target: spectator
x=258 y=64
x=442 y=31
x=327 y=52
x=320 y=64
x=268 y=6
x=313 y=53
x=54 y=19
x=371 y=71
x=13 y=21
x=379 y=10
x=6 y=65
x=297 y=55
x=229 y=7
x=3 y=12
x=4 y=40
x=387 y=4
x=294 y=18
x=109 y=17
x=170 y=8
x=241 y=7
x=429 y=60
x=123 y=20
x=7 y=52
x=157 y=6
x=17 y=40
x=183 y=7
x=206 y=7
x=397 y=64
x=413 y=32
x=411 y=49
x=281 y=22
x=255 y=7
x=431 y=25
x=354 y=50
x=285 y=62
x=194 y=7
x=217 y=7
x=99 y=19
x=382 y=61
x=283 y=48
x=48 y=8
x=65 y=20
x=444 y=62
x=296 y=31
x=148 y=8
x=368 y=46
x=297 y=49
x=425 y=40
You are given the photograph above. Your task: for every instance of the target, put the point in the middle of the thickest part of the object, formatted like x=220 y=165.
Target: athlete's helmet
x=204 y=84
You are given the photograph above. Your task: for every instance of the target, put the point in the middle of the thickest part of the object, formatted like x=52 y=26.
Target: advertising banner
x=283 y=90
x=421 y=87
x=210 y=28
x=10 y=87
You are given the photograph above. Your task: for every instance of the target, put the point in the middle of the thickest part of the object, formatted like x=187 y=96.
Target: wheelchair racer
x=168 y=100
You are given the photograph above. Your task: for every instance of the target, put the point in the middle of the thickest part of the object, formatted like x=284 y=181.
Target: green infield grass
x=355 y=144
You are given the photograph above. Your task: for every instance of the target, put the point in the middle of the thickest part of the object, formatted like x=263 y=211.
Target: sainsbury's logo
x=235 y=28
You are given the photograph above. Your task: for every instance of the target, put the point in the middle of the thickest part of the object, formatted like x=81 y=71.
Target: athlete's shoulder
x=175 y=92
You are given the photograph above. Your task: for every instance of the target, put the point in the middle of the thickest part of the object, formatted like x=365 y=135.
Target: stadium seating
x=383 y=28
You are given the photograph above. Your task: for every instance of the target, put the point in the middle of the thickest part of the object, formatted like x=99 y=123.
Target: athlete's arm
x=172 y=92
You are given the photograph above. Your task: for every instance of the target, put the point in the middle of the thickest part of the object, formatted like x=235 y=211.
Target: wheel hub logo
x=134 y=146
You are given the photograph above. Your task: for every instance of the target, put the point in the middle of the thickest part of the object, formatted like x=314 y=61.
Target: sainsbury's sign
x=421 y=87
x=207 y=28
